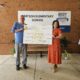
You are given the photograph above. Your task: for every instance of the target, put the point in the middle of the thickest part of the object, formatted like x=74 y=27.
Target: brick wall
x=8 y=14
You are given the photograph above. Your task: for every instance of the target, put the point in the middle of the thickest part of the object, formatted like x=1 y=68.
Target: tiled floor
x=40 y=69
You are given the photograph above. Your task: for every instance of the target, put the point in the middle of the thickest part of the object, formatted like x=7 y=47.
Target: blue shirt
x=18 y=35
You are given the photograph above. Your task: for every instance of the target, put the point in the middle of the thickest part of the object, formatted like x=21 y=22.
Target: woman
x=54 y=51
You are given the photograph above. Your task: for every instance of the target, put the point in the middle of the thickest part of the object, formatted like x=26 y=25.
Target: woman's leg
x=55 y=67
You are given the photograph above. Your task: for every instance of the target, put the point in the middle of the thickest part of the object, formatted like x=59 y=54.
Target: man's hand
x=25 y=28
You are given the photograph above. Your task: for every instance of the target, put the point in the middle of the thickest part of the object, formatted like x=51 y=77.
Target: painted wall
x=8 y=14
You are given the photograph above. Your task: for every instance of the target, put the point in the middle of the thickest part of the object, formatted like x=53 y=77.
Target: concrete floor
x=39 y=69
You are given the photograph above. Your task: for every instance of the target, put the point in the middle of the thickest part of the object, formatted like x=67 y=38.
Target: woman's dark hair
x=57 y=23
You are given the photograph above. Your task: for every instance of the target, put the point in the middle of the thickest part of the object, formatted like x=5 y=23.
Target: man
x=18 y=29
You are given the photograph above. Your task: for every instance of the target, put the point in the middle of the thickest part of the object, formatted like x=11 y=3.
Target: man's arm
x=18 y=30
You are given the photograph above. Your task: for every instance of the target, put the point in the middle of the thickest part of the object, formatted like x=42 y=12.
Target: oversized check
x=39 y=25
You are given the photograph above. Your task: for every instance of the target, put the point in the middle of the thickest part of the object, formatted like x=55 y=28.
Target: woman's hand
x=58 y=37
x=53 y=36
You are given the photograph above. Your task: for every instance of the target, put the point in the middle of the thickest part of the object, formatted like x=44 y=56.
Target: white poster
x=39 y=25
